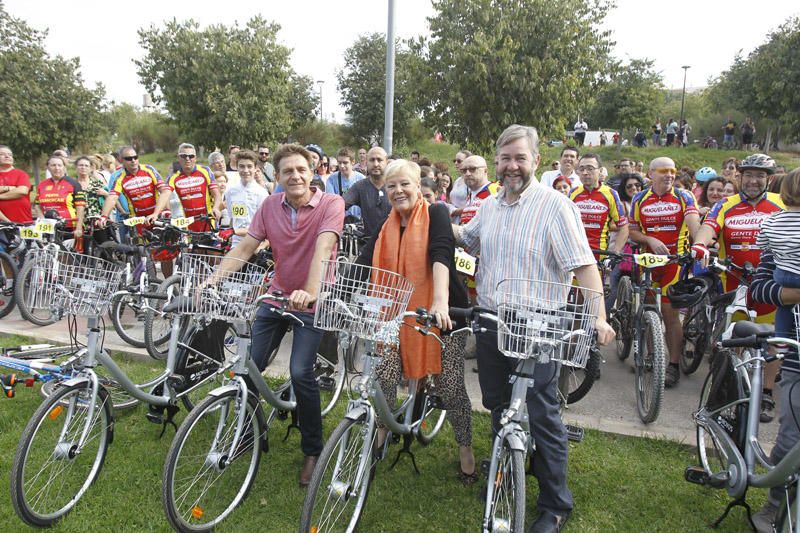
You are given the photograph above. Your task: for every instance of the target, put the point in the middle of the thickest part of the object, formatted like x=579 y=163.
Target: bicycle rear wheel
x=31 y=275
x=336 y=495
x=650 y=367
x=505 y=510
x=128 y=315
x=50 y=473
x=696 y=338
x=8 y=275
x=431 y=414
x=204 y=480
x=158 y=326
x=622 y=317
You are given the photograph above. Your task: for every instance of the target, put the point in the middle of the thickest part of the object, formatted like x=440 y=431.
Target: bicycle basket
x=364 y=301
x=75 y=283
x=229 y=296
x=548 y=321
x=796 y=316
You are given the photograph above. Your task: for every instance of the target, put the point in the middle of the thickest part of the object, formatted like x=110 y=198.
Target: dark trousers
x=267 y=334
x=549 y=434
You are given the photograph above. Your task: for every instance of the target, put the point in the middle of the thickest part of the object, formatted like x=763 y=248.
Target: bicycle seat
x=744 y=329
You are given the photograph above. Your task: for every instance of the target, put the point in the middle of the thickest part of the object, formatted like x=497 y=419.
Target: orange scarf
x=409 y=257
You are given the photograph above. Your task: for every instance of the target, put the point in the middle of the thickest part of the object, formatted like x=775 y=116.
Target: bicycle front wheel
x=51 y=470
x=31 y=275
x=696 y=336
x=120 y=398
x=8 y=275
x=330 y=378
x=128 y=314
x=157 y=325
x=204 y=477
x=622 y=317
x=505 y=509
x=338 y=491
x=575 y=383
x=650 y=367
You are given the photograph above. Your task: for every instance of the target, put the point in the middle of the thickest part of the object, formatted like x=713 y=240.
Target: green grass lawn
x=619 y=483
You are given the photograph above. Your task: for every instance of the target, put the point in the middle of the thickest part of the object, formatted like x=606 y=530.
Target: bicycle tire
x=784 y=522
x=507 y=479
x=126 y=309
x=331 y=377
x=623 y=316
x=121 y=399
x=431 y=418
x=199 y=450
x=575 y=383
x=651 y=369
x=51 y=352
x=696 y=336
x=196 y=368
x=39 y=317
x=9 y=272
x=157 y=328
x=335 y=477
x=25 y=476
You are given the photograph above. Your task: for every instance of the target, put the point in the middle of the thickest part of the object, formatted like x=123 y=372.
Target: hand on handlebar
x=700 y=253
x=605 y=333
x=300 y=300
x=657 y=246
x=441 y=315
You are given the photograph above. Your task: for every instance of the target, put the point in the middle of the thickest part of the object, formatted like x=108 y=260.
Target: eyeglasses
x=587 y=168
x=664 y=171
x=264 y=153
x=131 y=158
x=323 y=164
x=458 y=161
x=470 y=169
x=187 y=156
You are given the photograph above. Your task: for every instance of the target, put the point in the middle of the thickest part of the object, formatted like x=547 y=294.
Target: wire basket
x=796 y=323
x=548 y=321
x=229 y=295
x=73 y=283
x=364 y=301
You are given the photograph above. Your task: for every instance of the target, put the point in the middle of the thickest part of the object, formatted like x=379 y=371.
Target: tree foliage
x=44 y=102
x=223 y=84
x=362 y=83
x=147 y=131
x=497 y=62
x=303 y=101
x=764 y=84
x=629 y=98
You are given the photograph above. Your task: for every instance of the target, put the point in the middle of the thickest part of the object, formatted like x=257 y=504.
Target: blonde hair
x=790 y=188
x=403 y=167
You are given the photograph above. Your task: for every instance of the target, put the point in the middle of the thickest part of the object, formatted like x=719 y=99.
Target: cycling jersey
x=474 y=202
x=194 y=191
x=64 y=197
x=737 y=224
x=141 y=190
x=599 y=207
x=664 y=217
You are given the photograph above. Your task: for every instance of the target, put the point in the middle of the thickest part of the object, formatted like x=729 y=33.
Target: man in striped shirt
x=530 y=231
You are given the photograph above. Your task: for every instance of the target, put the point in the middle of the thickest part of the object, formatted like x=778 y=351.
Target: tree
x=44 y=102
x=303 y=101
x=222 y=84
x=147 y=131
x=363 y=80
x=630 y=98
x=498 y=62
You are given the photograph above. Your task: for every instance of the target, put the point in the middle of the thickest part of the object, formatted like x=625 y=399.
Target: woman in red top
x=61 y=194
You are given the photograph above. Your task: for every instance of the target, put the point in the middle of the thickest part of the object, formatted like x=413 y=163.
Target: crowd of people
x=414 y=213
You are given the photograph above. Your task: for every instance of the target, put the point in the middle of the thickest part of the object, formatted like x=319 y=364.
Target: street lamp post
x=321 y=116
x=388 y=112
x=683 y=94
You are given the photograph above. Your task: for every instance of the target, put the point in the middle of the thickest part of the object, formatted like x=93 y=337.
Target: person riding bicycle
x=303 y=226
x=508 y=233
x=196 y=189
x=735 y=224
x=416 y=241
x=663 y=218
x=63 y=195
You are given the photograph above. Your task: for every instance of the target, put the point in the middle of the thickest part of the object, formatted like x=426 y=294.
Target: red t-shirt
x=63 y=197
x=19 y=209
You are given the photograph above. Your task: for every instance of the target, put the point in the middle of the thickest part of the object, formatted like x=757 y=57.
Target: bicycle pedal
x=484 y=467
x=696 y=475
x=436 y=402
x=326 y=384
x=155 y=415
x=574 y=433
x=283 y=415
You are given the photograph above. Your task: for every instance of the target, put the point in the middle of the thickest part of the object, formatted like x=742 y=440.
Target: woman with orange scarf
x=416 y=241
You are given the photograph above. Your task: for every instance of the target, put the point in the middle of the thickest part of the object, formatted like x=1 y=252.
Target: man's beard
x=517 y=187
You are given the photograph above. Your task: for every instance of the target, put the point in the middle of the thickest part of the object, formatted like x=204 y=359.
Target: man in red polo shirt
x=663 y=218
x=303 y=226
x=196 y=188
x=15 y=188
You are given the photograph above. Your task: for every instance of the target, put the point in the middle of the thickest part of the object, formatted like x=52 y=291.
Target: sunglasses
x=458 y=160
x=323 y=164
x=187 y=156
x=665 y=171
x=633 y=186
x=264 y=153
x=131 y=158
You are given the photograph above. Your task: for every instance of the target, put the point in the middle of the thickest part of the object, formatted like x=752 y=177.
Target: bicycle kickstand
x=407 y=440
x=292 y=425
x=156 y=415
x=739 y=502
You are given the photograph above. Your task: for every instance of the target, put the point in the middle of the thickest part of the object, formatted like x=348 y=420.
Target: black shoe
x=767 y=408
x=549 y=522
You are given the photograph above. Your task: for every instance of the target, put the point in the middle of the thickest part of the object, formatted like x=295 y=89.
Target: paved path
x=610 y=405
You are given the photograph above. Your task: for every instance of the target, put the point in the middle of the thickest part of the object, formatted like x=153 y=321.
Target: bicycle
x=63 y=446
x=9 y=271
x=728 y=420
x=369 y=303
x=638 y=315
x=206 y=473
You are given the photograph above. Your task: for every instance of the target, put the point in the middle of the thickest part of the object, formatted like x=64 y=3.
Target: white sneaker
x=765 y=517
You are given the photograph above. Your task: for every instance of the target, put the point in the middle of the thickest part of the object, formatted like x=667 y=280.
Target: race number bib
x=181 y=222
x=29 y=232
x=134 y=221
x=46 y=225
x=239 y=211
x=465 y=263
x=650 y=260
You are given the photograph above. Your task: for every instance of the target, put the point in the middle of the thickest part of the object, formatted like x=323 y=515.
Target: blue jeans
x=267 y=334
x=784 y=315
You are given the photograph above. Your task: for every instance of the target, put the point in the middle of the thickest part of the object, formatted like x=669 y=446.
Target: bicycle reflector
x=197 y=512
x=55 y=412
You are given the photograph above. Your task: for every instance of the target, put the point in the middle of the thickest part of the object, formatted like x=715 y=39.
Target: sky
x=704 y=34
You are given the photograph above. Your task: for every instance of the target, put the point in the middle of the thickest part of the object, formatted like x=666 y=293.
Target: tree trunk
x=35 y=170
x=768 y=141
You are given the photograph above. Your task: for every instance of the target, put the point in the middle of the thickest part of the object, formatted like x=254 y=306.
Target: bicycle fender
x=356 y=412
x=737 y=484
x=515 y=442
x=221 y=391
x=75 y=381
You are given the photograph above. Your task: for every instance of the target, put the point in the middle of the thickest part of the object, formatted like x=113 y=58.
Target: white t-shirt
x=242 y=201
x=581 y=127
x=550 y=176
x=459 y=194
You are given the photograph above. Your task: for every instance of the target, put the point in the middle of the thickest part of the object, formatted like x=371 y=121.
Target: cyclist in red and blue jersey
x=146 y=193
x=196 y=189
x=663 y=219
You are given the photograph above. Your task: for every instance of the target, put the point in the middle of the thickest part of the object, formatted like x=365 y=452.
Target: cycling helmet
x=758 y=162
x=687 y=293
x=705 y=174
x=317 y=149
